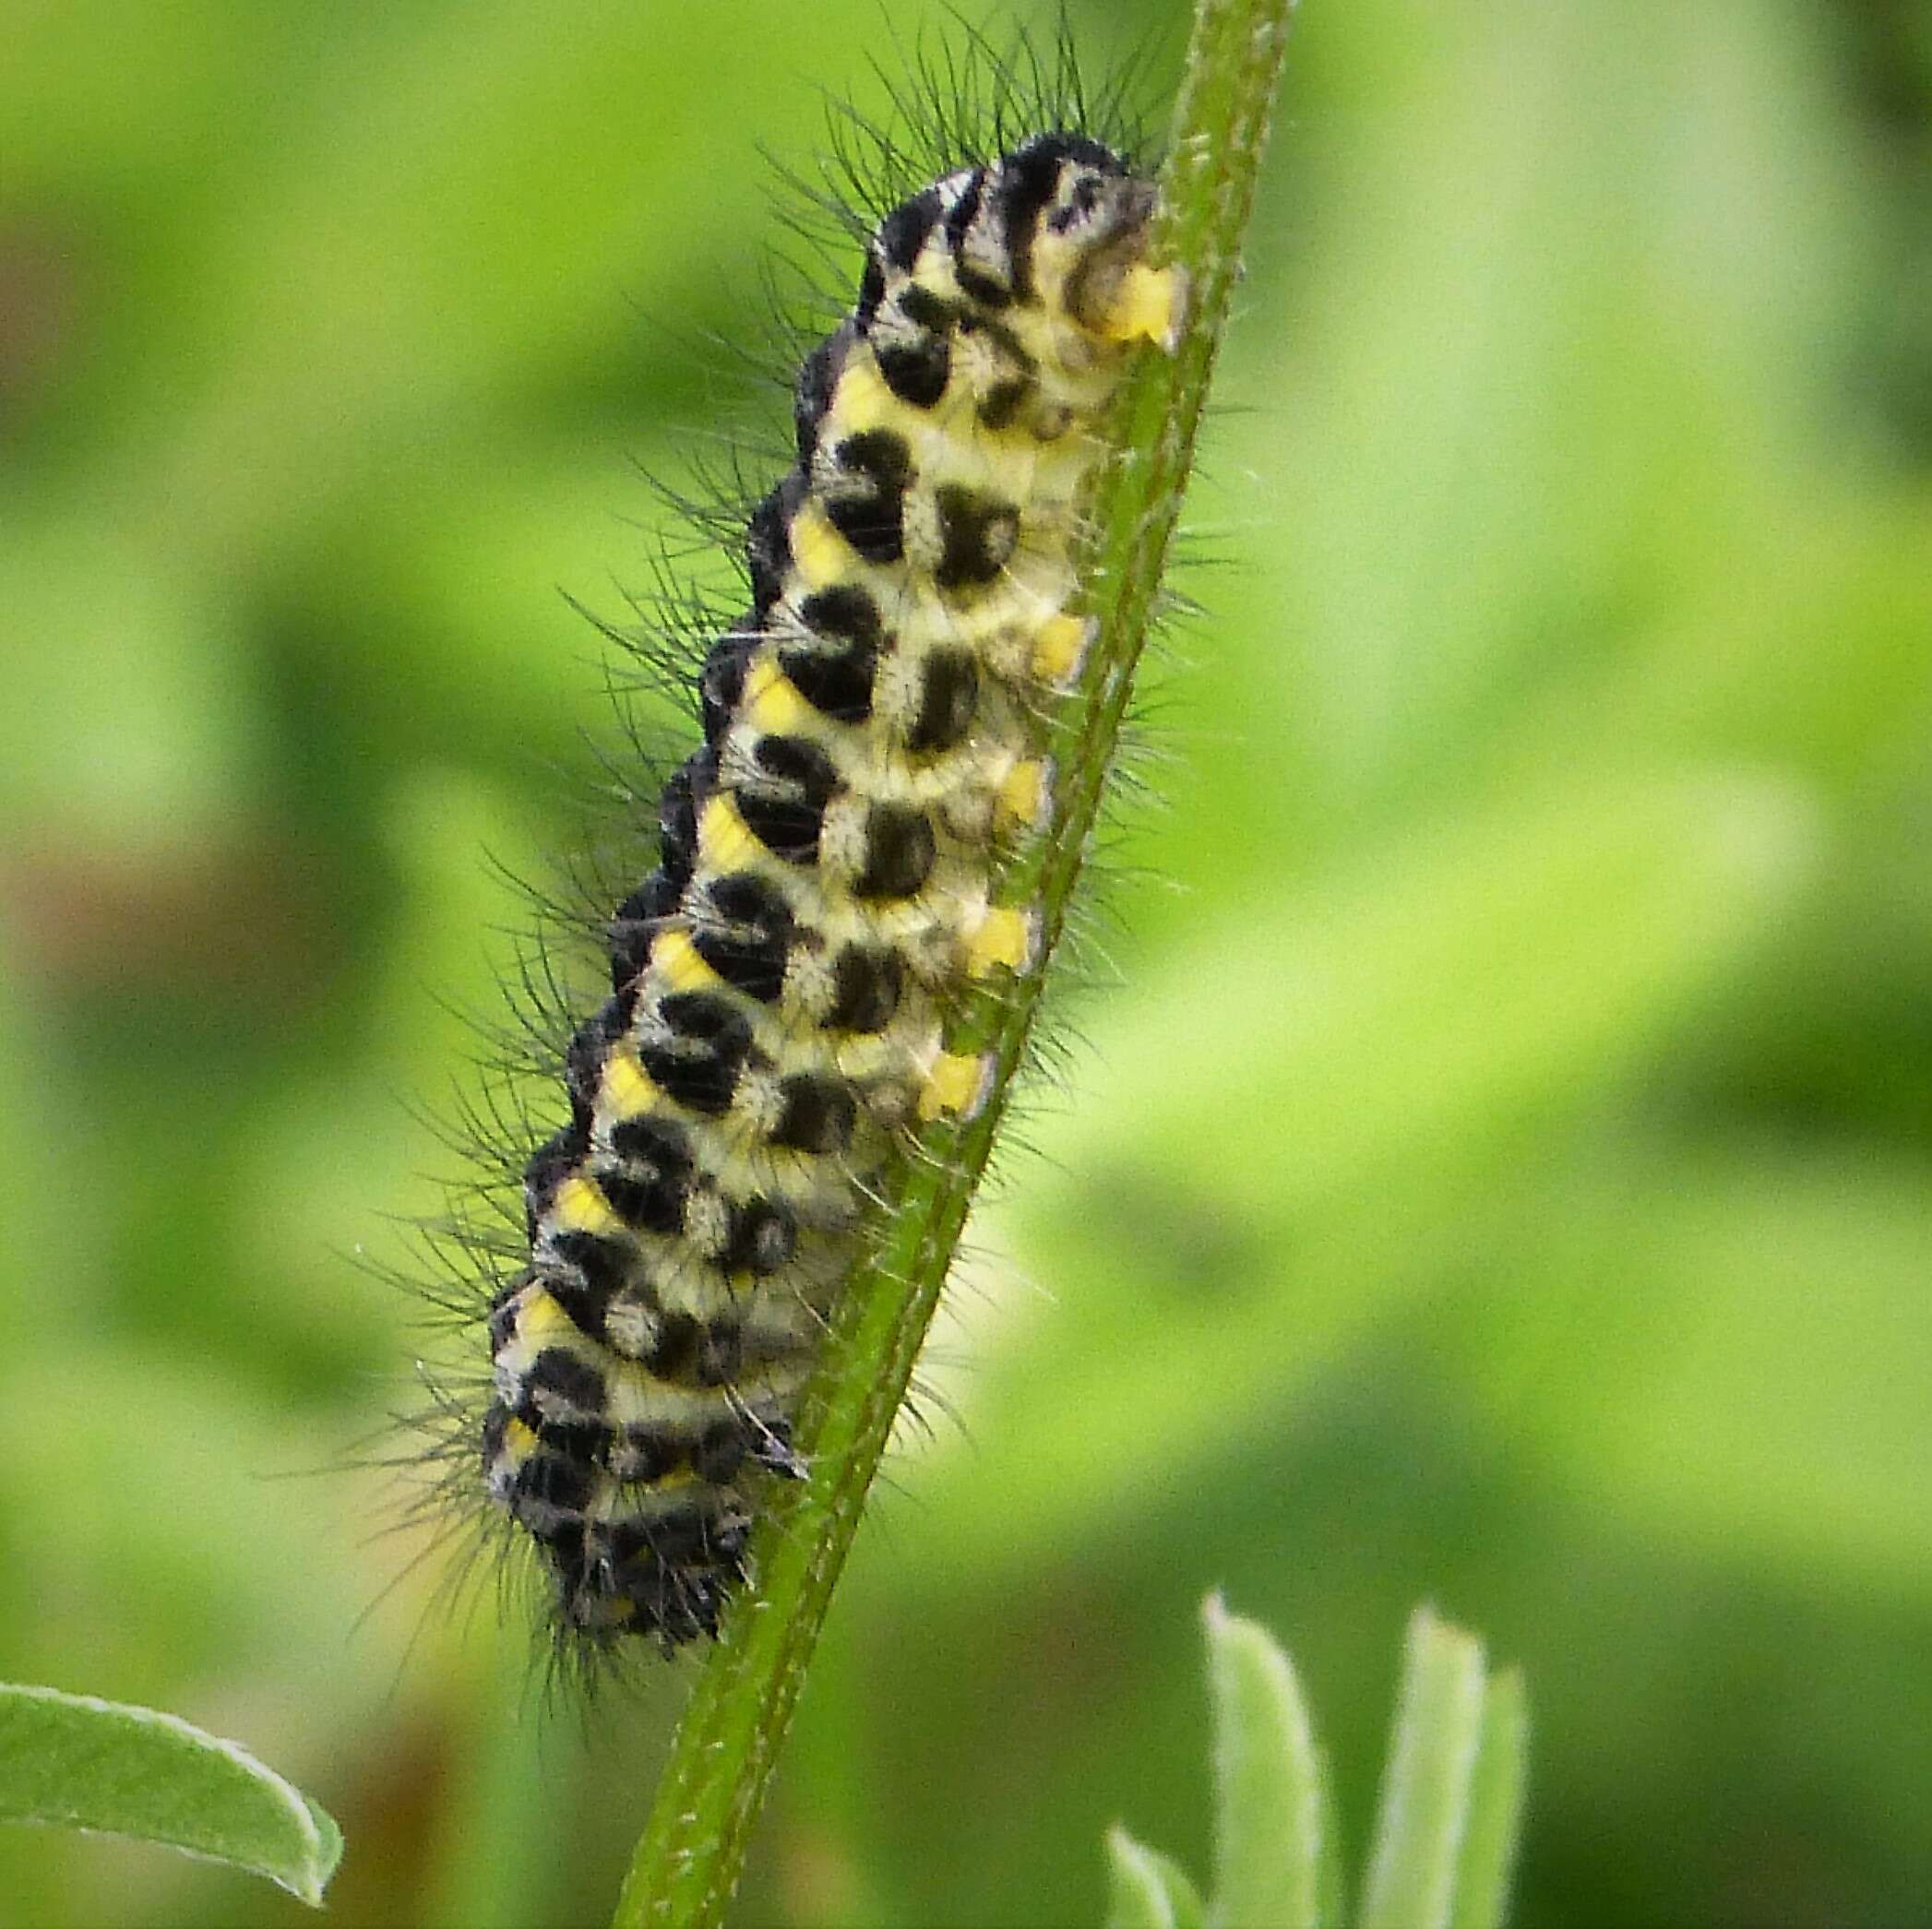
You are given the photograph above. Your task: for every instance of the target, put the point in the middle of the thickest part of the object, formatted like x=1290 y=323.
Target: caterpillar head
x=1092 y=221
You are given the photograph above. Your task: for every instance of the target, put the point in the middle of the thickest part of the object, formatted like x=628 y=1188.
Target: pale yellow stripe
x=1005 y=937
x=1059 y=646
x=724 y=840
x=955 y=1083
x=1148 y=307
x=772 y=701
x=819 y=553
x=580 y=1207
x=627 y=1090
x=680 y=964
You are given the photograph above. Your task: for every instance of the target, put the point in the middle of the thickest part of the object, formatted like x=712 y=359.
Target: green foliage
x=1498 y=1165
x=1453 y=1789
x=1275 y=1852
x=74 y=1762
x=1451 y=1800
x=1149 y=1890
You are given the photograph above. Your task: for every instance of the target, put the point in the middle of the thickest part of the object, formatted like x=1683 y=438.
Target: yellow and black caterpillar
x=827 y=885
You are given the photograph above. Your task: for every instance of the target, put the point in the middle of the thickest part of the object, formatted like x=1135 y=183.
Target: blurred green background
x=1501 y=1173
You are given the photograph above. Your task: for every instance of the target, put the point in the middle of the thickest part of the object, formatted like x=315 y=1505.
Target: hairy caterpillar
x=828 y=884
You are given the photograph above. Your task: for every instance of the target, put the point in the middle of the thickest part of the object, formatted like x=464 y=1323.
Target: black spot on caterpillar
x=827 y=882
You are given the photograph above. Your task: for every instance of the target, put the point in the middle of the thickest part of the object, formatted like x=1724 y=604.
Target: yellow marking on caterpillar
x=627 y=1090
x=819 y=553
x=580 y=1207
x=724 y=840
x=1148 y=307
x=539 y=1319
x=668 y=1481
x=956 y=1084
x=1006 y=936
x=1024 y=793
x=681 y=965
x=862 y=401
x=519 y=1441
x=772 y=702
x=1060 y=648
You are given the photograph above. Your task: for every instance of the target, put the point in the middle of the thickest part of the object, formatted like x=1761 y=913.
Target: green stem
x=687 y=1860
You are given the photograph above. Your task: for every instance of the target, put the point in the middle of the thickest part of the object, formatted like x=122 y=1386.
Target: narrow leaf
x=80 y=1763
x=1330 y=1877
x=1496 y=1798
x=1271 y=1823
x=1424 y=1811
x=1147 y=1889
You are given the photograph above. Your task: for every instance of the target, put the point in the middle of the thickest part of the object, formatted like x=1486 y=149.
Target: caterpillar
x=826 y=885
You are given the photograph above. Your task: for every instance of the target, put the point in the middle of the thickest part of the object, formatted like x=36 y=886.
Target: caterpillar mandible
x=827 y=884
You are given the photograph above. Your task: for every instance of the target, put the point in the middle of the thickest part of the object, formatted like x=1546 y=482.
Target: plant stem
x=687 y=1860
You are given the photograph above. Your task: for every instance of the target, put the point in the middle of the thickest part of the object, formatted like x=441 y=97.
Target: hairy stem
x=687 y=1860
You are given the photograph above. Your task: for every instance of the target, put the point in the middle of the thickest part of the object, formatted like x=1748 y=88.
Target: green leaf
x=80 y=1763
x=1421 y=1829
x=1273 y=1829
x=1147 y=1889
x=1496 y=1798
